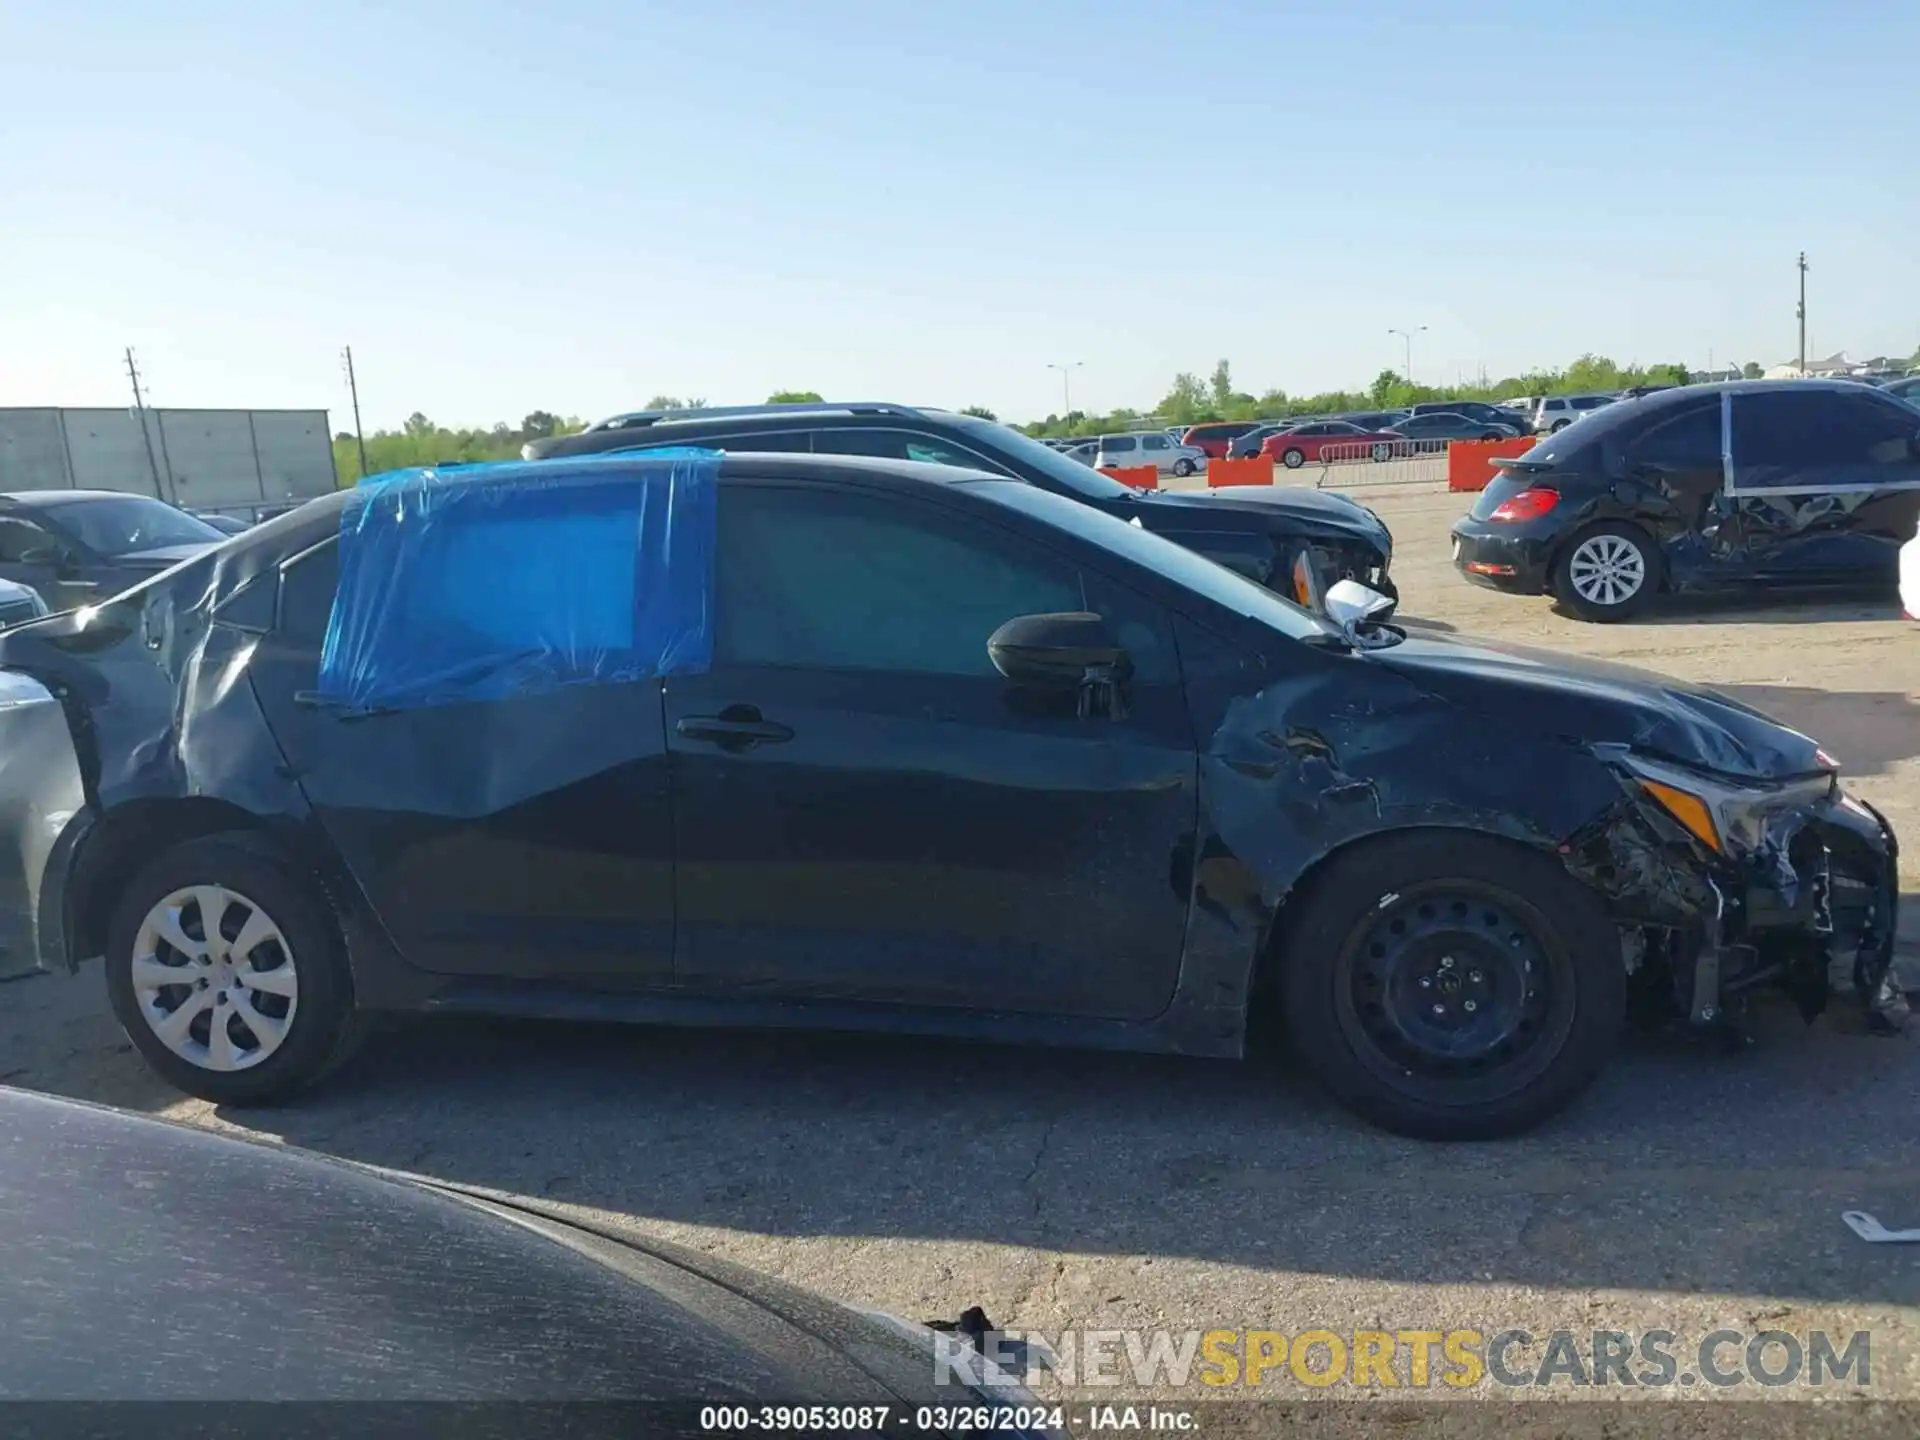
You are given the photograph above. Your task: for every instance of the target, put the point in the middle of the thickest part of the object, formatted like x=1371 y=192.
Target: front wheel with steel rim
x=227 y=973
x=1183 y=468
x=1606 y=572
x=1451 y=985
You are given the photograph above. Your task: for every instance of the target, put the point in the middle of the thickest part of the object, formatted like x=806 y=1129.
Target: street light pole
x=1066 y=370
x=1407 y=335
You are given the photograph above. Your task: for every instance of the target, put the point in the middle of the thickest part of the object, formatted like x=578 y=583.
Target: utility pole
x=1407 y=335
x=140 y=418
x=1066 y=383
x=1802 y=313
x=353 y=389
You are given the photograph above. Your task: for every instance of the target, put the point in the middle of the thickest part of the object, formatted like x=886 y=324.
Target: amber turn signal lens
x=1689 y=810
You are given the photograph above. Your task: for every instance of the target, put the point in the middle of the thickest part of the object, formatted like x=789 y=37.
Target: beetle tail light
x=1527 y=505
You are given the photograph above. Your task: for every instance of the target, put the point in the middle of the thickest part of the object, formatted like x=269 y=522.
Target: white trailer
x=240 y=462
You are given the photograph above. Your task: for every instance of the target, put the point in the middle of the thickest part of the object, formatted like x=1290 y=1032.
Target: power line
x=353 y=389
x=140 y=418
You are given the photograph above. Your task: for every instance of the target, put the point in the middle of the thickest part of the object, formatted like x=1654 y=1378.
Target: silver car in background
x=1149 y=447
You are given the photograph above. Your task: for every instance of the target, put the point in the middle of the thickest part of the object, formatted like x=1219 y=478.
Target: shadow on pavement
x=1868 y=731
x=1650 y=1183
x=1771 y=607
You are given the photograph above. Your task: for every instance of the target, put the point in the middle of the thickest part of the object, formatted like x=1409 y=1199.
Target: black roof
x=650 y=426
x=1608 y=418
x=152 y=1261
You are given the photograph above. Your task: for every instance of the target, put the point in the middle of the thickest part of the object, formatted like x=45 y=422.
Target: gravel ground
x=1690 y=1191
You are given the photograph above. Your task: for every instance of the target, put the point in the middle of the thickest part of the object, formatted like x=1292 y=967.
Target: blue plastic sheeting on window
x=482 y=582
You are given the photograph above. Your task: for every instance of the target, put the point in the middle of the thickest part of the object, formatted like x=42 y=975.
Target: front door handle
x=738 y=727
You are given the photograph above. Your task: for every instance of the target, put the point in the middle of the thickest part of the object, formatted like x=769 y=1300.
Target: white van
x=1556 y=412
x=1149 y=447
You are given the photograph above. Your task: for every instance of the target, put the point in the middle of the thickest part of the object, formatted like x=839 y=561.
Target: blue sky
x=577 y=211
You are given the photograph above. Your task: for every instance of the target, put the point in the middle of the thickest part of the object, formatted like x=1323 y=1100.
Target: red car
x=1214 y=436
x=1294 y=448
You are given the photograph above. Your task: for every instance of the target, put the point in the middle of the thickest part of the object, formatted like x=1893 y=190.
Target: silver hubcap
x=1294 y=459
x=214 y=978
x=1607 y=570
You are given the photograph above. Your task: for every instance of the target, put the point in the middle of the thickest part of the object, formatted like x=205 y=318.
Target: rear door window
x=307 y=585
x=1117 y=444
x=1683 y=443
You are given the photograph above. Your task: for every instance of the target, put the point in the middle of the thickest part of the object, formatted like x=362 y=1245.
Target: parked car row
x=1257 y=532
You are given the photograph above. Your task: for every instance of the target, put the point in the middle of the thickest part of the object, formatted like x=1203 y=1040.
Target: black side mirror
x=1065 y=652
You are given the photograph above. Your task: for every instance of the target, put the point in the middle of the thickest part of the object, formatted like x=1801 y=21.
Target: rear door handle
x=738 y=727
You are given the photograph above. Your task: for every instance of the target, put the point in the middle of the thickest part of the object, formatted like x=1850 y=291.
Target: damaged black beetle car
x=799 y=740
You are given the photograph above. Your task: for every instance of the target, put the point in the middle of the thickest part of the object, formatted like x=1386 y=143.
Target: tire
x=1381 y=453
x=1558 y=426
x=1293 y=459
x=1594 y=575
x=1479 y=917
x=312 y=991
x=1183 y=468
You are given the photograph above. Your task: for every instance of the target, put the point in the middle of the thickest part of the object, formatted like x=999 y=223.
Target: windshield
x=1069 y=475
x=1186 y=568
x=128 y=524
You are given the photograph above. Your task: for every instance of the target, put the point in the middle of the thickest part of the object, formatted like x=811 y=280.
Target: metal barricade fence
x=1348 y=464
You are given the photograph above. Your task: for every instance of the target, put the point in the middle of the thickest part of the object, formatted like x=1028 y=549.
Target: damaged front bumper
x=1796 y=886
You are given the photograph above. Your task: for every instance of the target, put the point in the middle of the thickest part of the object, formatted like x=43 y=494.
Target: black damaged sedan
x=925 y=751
x=1747 y=485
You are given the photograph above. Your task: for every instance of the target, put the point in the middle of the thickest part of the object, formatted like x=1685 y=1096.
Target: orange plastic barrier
x=1255 y=471
x=1140 y=477
x=1470 y=462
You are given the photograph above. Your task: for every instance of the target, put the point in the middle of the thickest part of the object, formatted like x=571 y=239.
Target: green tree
x=979 y=412
x=1187 y=402
x=794 y=397
x=1221 y=385
x=539 y=423
x=667 y=402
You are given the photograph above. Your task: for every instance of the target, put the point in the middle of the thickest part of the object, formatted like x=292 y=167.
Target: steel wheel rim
x=1607 y=570
x=1293 y=459
x=1497 y=1033
x=224 y=998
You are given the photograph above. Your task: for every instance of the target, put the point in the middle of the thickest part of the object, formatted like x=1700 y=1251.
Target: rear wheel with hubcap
x=1183 y=467
x=1606 y=572
x=226 y=972
x=1453 y=986
x=1293 y=459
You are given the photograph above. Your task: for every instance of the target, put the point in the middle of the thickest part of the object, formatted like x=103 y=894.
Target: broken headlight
x=1730 y=817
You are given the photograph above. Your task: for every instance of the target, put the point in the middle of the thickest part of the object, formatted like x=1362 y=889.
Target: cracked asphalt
x=1690 y=1190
